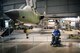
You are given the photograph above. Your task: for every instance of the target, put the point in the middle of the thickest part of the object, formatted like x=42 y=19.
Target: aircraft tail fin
x=29 y=2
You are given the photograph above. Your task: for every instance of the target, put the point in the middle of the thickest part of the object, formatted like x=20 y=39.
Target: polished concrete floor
x=37 y=43
x=39 y=47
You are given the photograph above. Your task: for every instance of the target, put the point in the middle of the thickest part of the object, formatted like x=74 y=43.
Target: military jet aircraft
x=27 y=15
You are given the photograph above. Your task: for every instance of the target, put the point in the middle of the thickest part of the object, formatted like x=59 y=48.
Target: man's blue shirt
x=56 y=32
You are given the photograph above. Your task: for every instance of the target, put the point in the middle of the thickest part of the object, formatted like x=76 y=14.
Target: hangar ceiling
x=51 y=7
x=59 y=7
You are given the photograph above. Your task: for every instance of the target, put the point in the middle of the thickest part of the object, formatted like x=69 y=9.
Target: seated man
x=55 y=36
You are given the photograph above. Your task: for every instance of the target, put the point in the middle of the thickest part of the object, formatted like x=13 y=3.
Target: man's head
x=56 y=27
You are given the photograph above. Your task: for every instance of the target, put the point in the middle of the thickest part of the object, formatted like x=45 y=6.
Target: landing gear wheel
x=27 y=37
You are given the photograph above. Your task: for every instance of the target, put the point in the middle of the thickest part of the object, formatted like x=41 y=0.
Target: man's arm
x=59 y=32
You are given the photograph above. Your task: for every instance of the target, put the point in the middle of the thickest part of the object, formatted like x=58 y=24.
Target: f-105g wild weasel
x=26 y=15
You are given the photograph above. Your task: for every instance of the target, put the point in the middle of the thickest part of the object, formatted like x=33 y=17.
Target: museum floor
x=37 y=43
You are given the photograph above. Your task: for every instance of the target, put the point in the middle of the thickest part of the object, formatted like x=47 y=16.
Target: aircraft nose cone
x=12 y=14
